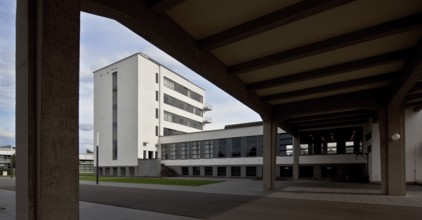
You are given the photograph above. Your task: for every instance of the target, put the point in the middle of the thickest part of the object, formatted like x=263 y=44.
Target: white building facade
x=136 y=100
x=350 y=154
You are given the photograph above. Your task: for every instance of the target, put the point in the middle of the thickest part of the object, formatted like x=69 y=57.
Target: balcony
x=207 y=107
x=207 y=120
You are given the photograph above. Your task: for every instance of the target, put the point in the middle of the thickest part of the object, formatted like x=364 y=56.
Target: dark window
x=169 y=132
x=222 y=146
x=196 y=171
x=236 y=147
x=208 y=149
x=185 y=171
x=208 y=171
x=251 y=146
x=156 y=130
x=250 y=171
x=171 y=117
x=221 y=171
x=156 y=77
x=122 y=171
x=183 y=151
x=156 y=113
x=286 y=171
x=195 y=150
x=114 y=152
x=235 y=171
x=156 y=95
x=114 y=116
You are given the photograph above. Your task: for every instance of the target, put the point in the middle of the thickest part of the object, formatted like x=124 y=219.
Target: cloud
x=6 y=137
x=86 y=127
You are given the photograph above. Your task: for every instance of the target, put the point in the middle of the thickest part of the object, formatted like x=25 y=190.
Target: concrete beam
x=270 y=153
x=47 y=96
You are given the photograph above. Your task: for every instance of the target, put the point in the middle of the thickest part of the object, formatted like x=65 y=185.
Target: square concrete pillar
x=296 y=153
x=393 y=162
x=270 y=153
x=47 y=95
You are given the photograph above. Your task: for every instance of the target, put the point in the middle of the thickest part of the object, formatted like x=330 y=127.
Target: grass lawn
x=139 y=180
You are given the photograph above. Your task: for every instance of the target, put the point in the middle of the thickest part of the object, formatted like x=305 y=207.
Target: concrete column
x=270 y=152
x=296 y=153
x=393 y=163
x=47 y=94
x=396 y=152
x=382 y=122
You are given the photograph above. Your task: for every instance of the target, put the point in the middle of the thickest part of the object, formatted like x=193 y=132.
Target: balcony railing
x=207 y=120
x=207 y=107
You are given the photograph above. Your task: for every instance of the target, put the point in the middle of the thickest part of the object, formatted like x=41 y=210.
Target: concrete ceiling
x=306 y=64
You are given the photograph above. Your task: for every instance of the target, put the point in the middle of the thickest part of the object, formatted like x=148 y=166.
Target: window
x=131 y=171
x=172 y=149
x=182 y=105
x=289 y=150
x=114 y=151
x=208 y=149
x=156 y=131
x=250 y=171
x=251 y=146
x=171 y=117
x=122 y=171
x=208 y=171
x=235 y=171
x=304 y=149
x=221 y=171
x=183 y=151
x=222 y=148
x=156 y=77
x=169 y=132
x=350 y=147
x=114 y=116
x=156 y=96
x=114 y=171
x=195 y=150
x=164 y=153
x=236 y=147
x=185 y=171
x=182 y=90
x=156 y=113
x=331 y=148
x=196 y=171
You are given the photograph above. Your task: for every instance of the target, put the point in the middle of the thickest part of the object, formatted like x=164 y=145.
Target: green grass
x=139 y=180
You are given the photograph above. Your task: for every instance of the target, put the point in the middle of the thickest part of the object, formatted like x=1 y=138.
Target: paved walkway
x=235 y=199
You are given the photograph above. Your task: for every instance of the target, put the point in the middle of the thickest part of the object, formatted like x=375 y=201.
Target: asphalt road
x=230 y=207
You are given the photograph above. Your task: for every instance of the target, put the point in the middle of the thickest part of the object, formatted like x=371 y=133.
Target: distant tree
x=88 y=151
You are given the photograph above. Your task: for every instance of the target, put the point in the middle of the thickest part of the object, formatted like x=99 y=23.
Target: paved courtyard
x=235 y=199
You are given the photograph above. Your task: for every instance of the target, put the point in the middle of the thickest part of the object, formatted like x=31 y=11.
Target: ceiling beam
x=413 y=97
x=373 y=99
x=352 y=38
x=331 y=87
x=172 y=39
x=354 y=113
x=333 y=70
x=333 y=120
x=270 y=21
x=412 y=104
x=417 y=88
x=161 y=6
x=333 y=124
x=410 y=74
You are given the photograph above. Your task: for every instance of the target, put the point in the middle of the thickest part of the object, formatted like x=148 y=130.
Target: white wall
x=413 y=141
x=126 y=113
x=147 y=88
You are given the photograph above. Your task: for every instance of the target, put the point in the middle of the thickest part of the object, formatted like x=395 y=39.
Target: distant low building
x=6 y=153
x=86 y=163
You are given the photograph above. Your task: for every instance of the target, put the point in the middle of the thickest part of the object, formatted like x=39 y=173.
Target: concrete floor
x=236 y=199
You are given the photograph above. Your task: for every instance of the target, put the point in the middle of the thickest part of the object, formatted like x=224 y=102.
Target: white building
x=338 y=153
x=6 y=153
x=136 y=100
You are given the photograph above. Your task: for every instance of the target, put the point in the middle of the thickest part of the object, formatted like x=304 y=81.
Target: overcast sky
x=103 y=41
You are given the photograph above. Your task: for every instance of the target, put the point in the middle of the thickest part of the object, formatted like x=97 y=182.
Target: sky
x=102 y=42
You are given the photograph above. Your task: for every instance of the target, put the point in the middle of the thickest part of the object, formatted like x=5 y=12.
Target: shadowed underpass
x=229 y=206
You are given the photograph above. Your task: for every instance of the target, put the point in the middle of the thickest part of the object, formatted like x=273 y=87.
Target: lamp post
x=96 y=156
